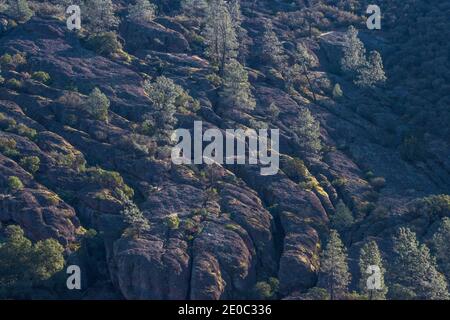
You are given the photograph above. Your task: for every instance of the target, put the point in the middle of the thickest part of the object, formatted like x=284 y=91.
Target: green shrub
x=147 y=128
x=105 y=43
x=70 y=160
x=110 y=179
x=14 y=183
x=173 y=221
x=295 y=169
x=41 y=76
x=19 y=58
x=8 y=147
x=6 y=59
x=25 y=131
x=265 y=290
x=14 y=83
x=31 y=164
x=339 y=182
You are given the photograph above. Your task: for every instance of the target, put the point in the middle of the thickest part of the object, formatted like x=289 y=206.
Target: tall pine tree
x=441 y=246
x=220 y=35
x=370 y=256
x=164 y=95
x=143 y=10
x=100 y=15
x=307 y=133
x=372 y=73
x=272 y=49
x=414 y=269
x=236 y=92
x=334 y=275
x=354 y=53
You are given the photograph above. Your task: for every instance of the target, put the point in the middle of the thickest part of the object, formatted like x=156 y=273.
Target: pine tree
x=306 y=61
x=370 y=256
x=236 y=92
x=272 y=49
x=307 y=132
x=97 y=105
x=164 y=94
x=143 y=10
x=372 y=73
x=343 y=218
x=220 y=35
x=440 y=244
x=100 y=15
x=22 y=263
x=137 y=223
x=234 y=8
x=333 y=274
x=414 y=269
x=354 y=53
x=19 y=9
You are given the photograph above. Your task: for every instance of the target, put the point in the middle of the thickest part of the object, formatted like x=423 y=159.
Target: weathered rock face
x=152 y=268
x=153 y=36
x=36 y=209
x=333 y=44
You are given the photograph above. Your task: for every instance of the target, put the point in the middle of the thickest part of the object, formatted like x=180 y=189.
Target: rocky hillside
x=221 y=232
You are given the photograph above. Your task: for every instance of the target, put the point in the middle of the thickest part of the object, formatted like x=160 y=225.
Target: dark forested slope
x=85 y=154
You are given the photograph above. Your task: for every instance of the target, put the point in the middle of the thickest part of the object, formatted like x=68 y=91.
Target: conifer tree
x=414 y=269
x=164 y=95
x=370 y=256
x=23 y=263
x=100 y=15
x=97 y=105
x=342 y=218
x=272 y=49
x=307 y=132
x=306 y=61
x=143 y=10
x=372 y=73
x=234 y=8
x=236 y=92
x=19 y=9
x=333 y=274
x=220 y=35
x=441 y=246
x=354 y=53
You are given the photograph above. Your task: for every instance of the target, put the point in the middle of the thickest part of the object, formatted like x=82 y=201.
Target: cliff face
x=236 y=227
